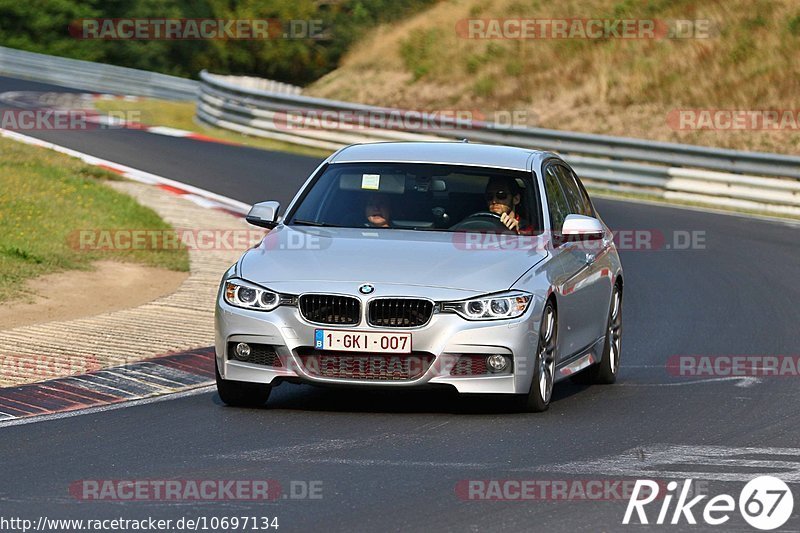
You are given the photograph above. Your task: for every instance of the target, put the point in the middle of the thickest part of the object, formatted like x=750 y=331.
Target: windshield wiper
x=313 y=223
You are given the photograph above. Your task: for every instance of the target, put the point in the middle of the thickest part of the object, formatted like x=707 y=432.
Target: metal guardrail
x=264 y=108
x=730 y=178
x=261 y=84
x=94 y=77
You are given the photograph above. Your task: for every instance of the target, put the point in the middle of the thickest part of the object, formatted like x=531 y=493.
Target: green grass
x=419 y=51
x=485 y=86
x=180 y=115
x=45 y=199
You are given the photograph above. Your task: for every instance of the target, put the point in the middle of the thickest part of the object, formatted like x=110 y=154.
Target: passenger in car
x=378 y=211
x=503 y=197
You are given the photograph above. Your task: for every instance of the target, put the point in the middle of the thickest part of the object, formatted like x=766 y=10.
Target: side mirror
x=264 y=214
x=582 y=228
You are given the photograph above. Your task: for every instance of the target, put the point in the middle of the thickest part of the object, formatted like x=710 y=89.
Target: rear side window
x=556 y=200
x=577 y=200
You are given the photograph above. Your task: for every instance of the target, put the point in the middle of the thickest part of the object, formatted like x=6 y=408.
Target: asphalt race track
x=389 y=460
x=205 y=165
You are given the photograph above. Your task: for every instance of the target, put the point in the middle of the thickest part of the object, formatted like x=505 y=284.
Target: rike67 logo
x=765 y=503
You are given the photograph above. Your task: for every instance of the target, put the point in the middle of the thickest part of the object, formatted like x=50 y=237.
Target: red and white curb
x=158 y=376
x=157 y=130
x=106 y=96
x=173 y=374
x=112 y=122
x=83 y=101
x=197 y=195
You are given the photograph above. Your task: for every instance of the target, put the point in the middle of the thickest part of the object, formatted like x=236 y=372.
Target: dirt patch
x=111 y=286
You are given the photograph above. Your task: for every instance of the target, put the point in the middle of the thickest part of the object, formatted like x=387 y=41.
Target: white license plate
x=362 y=341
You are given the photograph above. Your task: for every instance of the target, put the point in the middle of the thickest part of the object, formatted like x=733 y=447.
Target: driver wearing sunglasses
x=503 y=197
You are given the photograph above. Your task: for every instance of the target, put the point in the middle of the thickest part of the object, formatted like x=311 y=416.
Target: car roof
x=457 y=153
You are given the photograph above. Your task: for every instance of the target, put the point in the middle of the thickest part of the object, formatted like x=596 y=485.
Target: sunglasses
x=500 y=195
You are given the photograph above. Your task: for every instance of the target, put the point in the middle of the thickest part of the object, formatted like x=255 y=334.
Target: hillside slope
x=748 y=61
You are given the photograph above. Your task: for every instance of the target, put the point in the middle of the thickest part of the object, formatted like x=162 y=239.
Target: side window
x=556 y=201
x=590 y=208
x=576 y=199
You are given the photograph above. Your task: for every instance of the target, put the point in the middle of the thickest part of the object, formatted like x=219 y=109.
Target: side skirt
x=583 y=359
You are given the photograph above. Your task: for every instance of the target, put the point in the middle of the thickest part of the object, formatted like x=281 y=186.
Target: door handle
x=590 y=258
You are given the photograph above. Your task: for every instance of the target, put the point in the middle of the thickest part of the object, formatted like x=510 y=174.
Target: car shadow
x=293 y=397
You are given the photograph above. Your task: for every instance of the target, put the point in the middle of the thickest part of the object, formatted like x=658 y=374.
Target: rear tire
x=605 y=372
x=538 y=398
x=240 y=393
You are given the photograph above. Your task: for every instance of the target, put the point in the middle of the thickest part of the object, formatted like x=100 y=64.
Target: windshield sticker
x=371 y=181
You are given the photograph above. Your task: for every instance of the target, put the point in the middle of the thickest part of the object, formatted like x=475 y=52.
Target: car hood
x=289 y=258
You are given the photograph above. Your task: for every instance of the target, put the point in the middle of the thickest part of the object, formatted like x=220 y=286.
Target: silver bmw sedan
x=481 y=268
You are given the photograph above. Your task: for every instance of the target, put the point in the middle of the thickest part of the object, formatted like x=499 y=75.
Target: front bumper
x=445 y=337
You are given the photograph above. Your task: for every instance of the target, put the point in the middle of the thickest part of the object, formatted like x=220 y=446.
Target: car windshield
x=418 y=197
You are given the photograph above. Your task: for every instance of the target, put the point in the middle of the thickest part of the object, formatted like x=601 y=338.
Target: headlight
x=506 y=305
x=249 y=296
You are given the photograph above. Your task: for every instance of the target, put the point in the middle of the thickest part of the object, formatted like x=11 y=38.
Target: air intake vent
x=331 y=309
x=363 y=366
x=399 y=312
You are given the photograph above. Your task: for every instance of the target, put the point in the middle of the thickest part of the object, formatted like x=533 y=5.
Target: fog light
x=497 y=363
x=242 y=351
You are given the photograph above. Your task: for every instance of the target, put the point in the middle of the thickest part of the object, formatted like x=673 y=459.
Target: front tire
x=538 y=398
x=240 y=393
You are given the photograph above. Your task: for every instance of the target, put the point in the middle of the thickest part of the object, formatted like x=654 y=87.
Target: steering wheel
x=481 y=221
